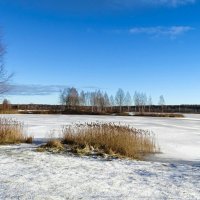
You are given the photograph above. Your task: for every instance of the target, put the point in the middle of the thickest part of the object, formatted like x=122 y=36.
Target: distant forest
x=99 y=102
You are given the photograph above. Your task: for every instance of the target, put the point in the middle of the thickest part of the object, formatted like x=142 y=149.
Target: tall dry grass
x=111 y=138
x=11 y=132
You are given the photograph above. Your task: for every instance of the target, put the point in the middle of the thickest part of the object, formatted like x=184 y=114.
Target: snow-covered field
x=173 y=174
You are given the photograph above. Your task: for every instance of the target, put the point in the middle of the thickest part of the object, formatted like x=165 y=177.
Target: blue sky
x=150 y=46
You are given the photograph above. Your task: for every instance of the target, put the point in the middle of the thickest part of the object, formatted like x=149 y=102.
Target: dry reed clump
x=54 y=143
x=171 y=115
x=111 y=138
x=29 y=140
x=11 y=132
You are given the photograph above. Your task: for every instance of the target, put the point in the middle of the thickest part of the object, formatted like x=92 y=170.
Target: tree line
x=101 y=100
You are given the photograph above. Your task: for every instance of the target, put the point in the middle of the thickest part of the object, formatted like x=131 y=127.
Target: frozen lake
x=26 y=174
x=178 y=139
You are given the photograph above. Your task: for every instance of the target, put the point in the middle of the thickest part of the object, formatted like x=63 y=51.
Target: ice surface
x=179 y=139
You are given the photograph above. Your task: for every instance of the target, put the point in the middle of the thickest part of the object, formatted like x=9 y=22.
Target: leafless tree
x=161 y=102
x=73 y=98
x=140 y=100
x=87 y=98
x=128 y=100
x=6 y=105
x=112 y=102
x=107 y=100
x=63 y=97
x=143 y=101
x=100 y=101
x=82 y=98
x=136 y=99
x=150 y=103
x=120 y=98
x=70 y=97
x=93 y=101
x=4 y=76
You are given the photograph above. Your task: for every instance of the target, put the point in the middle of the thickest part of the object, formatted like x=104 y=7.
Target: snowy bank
x=26 y=174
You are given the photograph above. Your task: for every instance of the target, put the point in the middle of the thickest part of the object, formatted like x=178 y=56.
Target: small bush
x=29 y=140
x=54 y=144
x=111 y=138
x=11 y=132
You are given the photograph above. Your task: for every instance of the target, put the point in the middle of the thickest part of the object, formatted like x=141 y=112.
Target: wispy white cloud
x=159 y=31
x=43 y=90
x=34 y=89
x=87 y=5
x=173 y=3
x=143 y=3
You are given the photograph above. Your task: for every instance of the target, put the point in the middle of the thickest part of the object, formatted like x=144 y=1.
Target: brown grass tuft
x=53 y=143
x=109 y=137
x=11 y=131
x=29 y=140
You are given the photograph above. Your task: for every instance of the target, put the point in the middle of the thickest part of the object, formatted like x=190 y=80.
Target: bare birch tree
x=112 y=102
x=106 y=100
x=82 y=98
x=150 y=103
x=128 y=100
x=70 y=97
x=100 y=101
x=161 y=102
x=140 y=100
x=93 y=101
x=120 y=98
x=4 y=76
x=143 y=101
x=136 y=99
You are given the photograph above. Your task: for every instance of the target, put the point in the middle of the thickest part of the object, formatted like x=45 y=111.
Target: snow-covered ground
x=26 y=174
